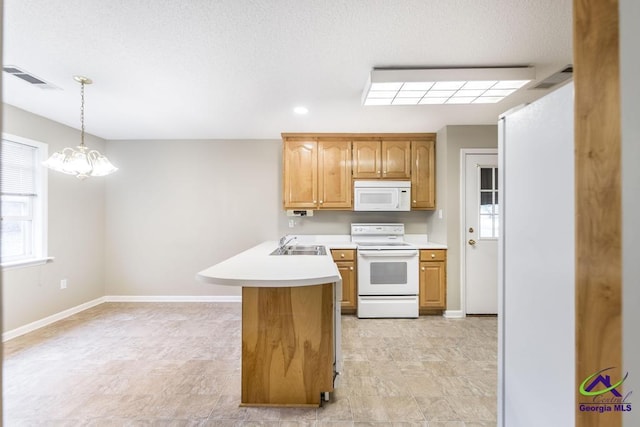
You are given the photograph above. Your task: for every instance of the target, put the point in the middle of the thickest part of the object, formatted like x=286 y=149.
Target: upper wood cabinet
x=317 y=174
x=367 y=159
x=381 y=159
x=334 y=174
x=300 y=178
x=319 y=168
x=396 y=159
x=423 y=179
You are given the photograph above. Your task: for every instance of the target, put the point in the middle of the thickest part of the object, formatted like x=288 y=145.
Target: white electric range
x=387 y=271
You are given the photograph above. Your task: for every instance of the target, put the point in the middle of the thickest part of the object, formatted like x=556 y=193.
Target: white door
x=480 y=233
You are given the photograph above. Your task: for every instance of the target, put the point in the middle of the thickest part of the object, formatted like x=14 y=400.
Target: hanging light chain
x=82 y=162
x=82 y=113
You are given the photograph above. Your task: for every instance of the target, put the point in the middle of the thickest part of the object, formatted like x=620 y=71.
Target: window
x=23 y=184
x=489 y=212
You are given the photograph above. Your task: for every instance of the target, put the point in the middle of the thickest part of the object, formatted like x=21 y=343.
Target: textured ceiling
x=172 y=69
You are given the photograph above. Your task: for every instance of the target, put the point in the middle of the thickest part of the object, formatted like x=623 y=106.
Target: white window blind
x=23 y=189
x=18 y=177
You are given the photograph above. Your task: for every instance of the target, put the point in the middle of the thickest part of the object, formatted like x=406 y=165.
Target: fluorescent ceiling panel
x=444 y=86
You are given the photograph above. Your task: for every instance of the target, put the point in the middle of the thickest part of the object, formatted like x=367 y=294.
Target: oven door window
x=388 y=273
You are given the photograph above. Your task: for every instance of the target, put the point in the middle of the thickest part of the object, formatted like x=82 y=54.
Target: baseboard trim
x=173 y=298
x=14 y=333
x=453 y=314
x=30 y=327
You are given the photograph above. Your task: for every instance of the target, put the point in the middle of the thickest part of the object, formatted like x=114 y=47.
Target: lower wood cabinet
x=345 y=259
x=288 y=345
x=433 y=279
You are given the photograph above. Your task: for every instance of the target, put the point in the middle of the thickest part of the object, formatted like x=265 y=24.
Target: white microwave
x=382 y=195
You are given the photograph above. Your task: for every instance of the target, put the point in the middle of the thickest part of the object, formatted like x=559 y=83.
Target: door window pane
x=486 y=181
x=488 y=206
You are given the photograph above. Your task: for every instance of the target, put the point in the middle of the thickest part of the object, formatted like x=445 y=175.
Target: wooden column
x=598 y=201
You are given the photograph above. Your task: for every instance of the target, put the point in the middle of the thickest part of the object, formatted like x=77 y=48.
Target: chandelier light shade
x=80 y=161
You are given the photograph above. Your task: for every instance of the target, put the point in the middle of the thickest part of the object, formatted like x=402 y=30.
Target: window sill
x=26 y=263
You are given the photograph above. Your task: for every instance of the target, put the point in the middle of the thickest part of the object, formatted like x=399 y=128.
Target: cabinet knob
x=384 y=171
x=314 y=201
x=320 y=201
x=342 y=255
x=378 y=172
x=415 y=201
x=433 y=255
x=422 y=268
x=351 y=268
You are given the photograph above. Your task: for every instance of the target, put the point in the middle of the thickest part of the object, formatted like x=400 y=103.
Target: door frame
x=464 y=152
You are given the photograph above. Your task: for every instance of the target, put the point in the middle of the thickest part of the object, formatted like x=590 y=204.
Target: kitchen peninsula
x=290 y=324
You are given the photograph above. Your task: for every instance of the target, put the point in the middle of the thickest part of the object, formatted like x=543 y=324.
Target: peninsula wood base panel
x=287 y=345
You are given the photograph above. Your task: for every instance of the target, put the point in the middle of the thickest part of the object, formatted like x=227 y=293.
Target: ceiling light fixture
x=81 y=161
x=444 y=85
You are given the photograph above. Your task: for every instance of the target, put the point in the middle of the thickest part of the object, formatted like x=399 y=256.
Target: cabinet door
x=433 y=285
x=367 y=159
x=349 y=290
x=396 y=159
x=334 y=175
x=300 y=180
x=423 y=178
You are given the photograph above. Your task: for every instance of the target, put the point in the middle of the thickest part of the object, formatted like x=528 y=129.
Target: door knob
x=472 y=242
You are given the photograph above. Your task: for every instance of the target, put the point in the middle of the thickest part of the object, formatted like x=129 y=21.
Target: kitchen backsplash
x=339 y=222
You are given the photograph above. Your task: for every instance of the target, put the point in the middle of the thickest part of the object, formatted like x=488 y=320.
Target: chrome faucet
x=284 y=241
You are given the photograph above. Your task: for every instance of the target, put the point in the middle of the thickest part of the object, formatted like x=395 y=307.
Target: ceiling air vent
x=27 y=77
x=555 y=79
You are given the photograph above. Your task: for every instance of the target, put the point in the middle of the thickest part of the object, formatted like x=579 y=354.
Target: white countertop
x=343 y=241
x=256 y=268
x=422 y=242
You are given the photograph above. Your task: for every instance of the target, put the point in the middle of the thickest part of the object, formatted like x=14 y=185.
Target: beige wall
x=177 y=207
x=339 y=222
x=447 y=230
x=76 y=233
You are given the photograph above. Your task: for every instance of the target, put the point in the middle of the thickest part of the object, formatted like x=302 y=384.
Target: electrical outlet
x=63 y=284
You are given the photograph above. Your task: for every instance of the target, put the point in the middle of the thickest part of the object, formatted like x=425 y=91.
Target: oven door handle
x=388 y=253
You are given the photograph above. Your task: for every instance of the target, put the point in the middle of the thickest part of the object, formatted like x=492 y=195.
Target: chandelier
x=80 y=161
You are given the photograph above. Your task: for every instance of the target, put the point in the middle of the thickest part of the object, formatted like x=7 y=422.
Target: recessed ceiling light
x=301 y=110
x=444 y=86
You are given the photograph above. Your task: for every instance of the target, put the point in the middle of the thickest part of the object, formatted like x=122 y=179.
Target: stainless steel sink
x=300 y=250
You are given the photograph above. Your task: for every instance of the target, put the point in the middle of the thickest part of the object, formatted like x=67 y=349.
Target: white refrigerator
x=536 y=321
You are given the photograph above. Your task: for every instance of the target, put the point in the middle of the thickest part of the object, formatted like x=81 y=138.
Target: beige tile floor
x=178 y=364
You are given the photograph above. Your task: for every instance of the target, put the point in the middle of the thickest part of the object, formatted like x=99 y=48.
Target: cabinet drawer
x=343 y=254
x=433 y=254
